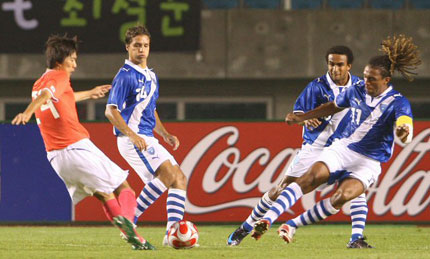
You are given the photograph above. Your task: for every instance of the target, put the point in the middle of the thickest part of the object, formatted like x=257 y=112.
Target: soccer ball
x=183 y=234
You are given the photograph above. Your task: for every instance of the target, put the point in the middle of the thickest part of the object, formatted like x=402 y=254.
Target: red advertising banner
x=230 y=165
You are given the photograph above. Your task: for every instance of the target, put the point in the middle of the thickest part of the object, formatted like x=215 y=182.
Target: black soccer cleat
x=260 y=227
x=359 y=243
x=236 y=237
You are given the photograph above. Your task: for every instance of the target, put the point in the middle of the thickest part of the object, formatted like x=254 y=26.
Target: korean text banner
x=99 y=24
x=229 y=166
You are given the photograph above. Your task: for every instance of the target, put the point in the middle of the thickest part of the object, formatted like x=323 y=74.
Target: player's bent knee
x=338 y=199
x=181 y=179
x=103 y=197
x=274 y=193
x=307 y=183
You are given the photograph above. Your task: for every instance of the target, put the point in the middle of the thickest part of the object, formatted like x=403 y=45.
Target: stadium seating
x=306 y=4
x=221 y=4
x=387 y=4
x=420 y=4
x=269 y=4
x=340 y=4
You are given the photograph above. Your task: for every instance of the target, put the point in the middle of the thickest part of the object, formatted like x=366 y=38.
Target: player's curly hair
x=58 y=48
x=340 y=50
x=135 y=31
x=401 y=54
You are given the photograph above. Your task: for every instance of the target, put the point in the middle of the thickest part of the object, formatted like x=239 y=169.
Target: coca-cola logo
x=401 y=174
x=408 y=189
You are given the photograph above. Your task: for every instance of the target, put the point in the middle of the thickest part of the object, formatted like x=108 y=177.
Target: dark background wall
x=251 y=53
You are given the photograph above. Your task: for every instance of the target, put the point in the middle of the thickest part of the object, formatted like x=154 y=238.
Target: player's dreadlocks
x=401 y=54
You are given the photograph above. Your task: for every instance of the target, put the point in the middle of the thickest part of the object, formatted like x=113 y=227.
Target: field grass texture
x=320 y=241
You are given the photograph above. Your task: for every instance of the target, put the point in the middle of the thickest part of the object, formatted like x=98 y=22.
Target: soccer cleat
x=123 y=236
x=237 y=236
x=359 y=243
x=260 y=228
x=286 y=232
x=127 y=228
x=145 y=245
x=165 y=241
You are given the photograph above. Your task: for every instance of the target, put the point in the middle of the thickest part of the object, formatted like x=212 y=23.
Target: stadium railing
x=387 y=4
x=266 y=4
x=419 y=4
x=221 y=4
x=342 y=4
x=317 y=4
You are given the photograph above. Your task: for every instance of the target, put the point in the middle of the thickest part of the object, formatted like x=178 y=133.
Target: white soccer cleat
x=286 y=232
x=165 y=241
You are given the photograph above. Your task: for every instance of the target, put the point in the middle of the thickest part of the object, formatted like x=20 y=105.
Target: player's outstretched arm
x=114 y=116
x=95 y=93
x=169 y=138
x=24 y=117
x=321 y=111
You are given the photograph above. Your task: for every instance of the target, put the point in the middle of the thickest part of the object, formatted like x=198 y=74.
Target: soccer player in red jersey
x=84 y=169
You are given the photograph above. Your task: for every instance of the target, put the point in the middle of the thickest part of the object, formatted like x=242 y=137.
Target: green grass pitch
x=320 y=241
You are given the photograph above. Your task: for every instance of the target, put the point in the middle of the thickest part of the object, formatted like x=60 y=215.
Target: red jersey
x=57 y=118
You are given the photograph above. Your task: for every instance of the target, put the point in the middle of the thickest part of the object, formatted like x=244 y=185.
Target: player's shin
x=112 y=209
x=358 y=216
x=285 y=200
x=175 y=206
x=318 y=212
x=128 y=203
x=258 y=212
x=150 y=193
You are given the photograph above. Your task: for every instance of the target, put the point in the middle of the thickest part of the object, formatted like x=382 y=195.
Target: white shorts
x=85 y=169
x=345 y=163
x=304 y=158
x=147 y=162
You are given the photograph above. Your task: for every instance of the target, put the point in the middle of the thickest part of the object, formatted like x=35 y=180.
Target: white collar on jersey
x=373 y=101
x=143 y=71
x=333 y=85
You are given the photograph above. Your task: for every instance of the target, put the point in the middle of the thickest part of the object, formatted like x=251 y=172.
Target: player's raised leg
x=263 y=205
x=246 y=227
x=316 y=175
x=318 y=212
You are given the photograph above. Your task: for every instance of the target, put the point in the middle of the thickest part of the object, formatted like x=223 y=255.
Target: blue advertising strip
x=30 y=190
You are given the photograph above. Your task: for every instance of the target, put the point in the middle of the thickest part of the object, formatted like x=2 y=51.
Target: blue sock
x=258 y=212
x=358 y=216
x=150 y=193
x=318 y=212
x=175 y=206
x=285 y=200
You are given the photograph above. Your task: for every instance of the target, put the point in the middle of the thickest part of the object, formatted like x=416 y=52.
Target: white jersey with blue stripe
x=370 y=130
x=316 y=93
x=135 y=92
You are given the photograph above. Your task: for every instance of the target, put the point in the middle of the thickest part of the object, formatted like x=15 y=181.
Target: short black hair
x=340 y=50
x=135 y=31
x=58 y=48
